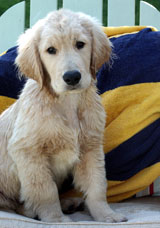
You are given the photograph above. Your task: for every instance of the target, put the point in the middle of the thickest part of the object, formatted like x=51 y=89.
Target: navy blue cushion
x=10 y=83
x=137 y=61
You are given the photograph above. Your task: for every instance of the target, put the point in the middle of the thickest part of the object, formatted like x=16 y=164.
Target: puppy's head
x=65 y=49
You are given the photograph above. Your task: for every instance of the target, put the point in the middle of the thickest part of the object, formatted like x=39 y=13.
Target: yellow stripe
x=120 y=190
x=123 y=30
x=129 y=109
x=5 y=102
x=3 y=53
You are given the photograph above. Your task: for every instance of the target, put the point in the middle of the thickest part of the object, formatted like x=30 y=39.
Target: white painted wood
x=91 y=7
x=40 y=8
x=11 y=26
x=149 y=15
x=121 y=12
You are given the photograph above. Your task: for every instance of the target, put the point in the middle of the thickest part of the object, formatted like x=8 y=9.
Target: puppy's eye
x=80 y=44
x=52 y=50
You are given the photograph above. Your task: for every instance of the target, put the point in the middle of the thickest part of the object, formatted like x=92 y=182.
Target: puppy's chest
x=65 y=140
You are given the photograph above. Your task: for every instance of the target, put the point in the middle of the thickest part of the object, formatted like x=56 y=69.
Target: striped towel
x=130 y=91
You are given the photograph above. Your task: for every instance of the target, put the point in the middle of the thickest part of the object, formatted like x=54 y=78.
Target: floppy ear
x=28 y=59
x=101 y=49
x=101 y=46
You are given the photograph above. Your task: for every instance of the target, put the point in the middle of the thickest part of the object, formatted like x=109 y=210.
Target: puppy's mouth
x=71 y=88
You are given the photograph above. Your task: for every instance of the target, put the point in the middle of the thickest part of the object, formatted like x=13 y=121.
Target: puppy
x=56 y=126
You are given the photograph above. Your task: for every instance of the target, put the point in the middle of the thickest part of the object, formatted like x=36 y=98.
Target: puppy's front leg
x=89 y=176
x=38 y=190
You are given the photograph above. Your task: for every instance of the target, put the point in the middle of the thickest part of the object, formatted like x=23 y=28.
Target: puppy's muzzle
x=72 y=77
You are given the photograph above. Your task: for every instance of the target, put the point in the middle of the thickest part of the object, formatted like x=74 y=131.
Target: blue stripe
x=135 y=154
x=10 y=84
x=137 y=61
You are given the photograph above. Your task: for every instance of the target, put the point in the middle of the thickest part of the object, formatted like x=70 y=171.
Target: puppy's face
x=65 y=50
x=66 y=47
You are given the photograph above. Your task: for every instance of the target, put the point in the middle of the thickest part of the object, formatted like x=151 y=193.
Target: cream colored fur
x=52 y=130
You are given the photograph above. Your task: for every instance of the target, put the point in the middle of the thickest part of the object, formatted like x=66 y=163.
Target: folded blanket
x=130 y=91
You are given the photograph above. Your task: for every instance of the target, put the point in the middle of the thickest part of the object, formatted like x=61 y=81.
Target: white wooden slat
x=12 y=24
x=92 y=7
x=149 y=15
x=121 y=12
x=40 y=8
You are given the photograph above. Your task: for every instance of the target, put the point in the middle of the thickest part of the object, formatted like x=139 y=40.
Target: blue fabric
x=10 y=84
x=137 y=61
x=135 y=154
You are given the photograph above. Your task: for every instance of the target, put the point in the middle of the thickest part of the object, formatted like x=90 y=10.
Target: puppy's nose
x=72 y=77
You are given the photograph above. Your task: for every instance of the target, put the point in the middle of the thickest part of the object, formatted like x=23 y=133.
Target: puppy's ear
x=101 y=46
x=28 y=59
x=101 y=49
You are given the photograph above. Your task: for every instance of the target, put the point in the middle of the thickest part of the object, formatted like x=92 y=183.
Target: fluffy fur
x=54 y=129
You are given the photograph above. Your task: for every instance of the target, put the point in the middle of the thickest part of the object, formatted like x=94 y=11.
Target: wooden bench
x=112 y=13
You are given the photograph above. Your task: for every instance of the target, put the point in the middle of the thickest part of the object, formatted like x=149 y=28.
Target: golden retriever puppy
x=56 y=126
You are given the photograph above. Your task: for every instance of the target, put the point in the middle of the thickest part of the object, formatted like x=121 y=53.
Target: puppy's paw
x=112 y=217
x=101 y=212
x=66 y=219
x=71 y=205
x=28 y=212
x=52 y=213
